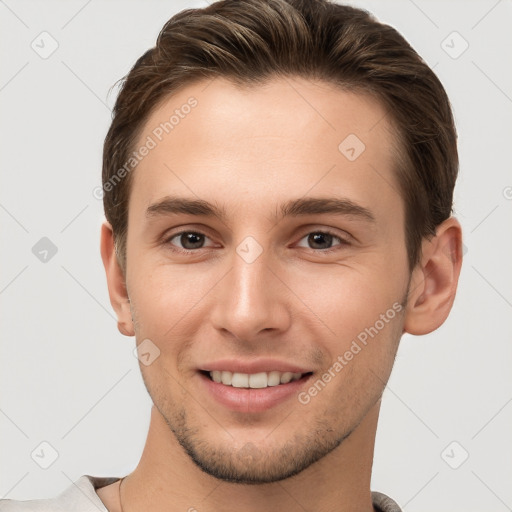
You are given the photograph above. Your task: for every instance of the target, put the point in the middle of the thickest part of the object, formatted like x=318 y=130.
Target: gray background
x=68 y=378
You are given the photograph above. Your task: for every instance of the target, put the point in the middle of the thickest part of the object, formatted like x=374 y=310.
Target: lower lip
x=250 y=399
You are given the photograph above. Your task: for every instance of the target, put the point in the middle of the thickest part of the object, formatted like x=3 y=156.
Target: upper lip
x=253 y=366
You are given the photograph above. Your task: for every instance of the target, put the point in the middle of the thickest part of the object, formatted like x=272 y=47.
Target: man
x=278 y=182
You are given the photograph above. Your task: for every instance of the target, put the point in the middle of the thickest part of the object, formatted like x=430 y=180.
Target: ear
x=116 y=282
x=434 y=280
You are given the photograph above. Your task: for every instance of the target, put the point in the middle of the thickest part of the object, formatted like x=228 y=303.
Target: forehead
x=271 y=141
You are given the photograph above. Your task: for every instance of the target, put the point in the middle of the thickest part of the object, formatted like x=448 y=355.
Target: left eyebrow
x=319 y=205
x=293 y=208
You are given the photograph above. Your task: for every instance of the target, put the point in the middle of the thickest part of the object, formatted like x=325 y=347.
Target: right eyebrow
x=172 y=205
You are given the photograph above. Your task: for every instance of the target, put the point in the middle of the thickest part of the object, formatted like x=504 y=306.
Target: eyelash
x=343 y=242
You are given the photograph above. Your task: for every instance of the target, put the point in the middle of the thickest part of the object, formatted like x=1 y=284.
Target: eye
x=320 y=241
x=324 y=239
x=189 y=240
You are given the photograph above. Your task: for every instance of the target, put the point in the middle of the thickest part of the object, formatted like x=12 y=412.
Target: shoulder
x=80 y=496
x=383 y=503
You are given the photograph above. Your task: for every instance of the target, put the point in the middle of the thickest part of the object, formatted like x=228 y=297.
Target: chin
x=253 y=463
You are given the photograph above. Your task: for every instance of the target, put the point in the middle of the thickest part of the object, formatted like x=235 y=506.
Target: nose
x=252 y=299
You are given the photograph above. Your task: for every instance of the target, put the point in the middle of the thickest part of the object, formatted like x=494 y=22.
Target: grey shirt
x=81 y=497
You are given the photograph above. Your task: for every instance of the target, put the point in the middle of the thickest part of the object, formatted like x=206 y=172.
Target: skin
x=249 y=150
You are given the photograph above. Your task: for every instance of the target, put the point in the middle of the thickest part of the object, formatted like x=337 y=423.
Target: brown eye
x=322 y=240
x=189 y=240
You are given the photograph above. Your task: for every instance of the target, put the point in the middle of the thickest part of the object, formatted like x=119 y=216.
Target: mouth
x=258 y=380
x=253 y=386
x=253 y=392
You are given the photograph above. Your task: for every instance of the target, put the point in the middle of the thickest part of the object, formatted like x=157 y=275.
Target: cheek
x=167 y=292
x=345 y=299
x=359 y=310
x=359 y=367
x=167 y=301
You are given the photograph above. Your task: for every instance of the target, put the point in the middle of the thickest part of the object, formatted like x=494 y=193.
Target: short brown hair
x=250 y=41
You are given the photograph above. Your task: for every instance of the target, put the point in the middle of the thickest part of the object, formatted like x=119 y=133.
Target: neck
x=166 y=479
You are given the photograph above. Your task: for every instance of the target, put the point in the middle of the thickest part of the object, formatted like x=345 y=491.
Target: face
x=292 y=260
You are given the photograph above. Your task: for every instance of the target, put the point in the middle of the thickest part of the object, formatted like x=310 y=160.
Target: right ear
x=116 y=281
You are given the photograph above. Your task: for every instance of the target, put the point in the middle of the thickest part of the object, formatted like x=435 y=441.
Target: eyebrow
x=294 y=208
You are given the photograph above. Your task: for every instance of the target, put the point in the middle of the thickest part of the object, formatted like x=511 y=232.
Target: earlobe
x=434 y=281
x=116 y=282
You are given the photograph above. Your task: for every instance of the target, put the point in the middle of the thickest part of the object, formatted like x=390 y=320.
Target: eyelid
x=344 y=240
x=335 y=232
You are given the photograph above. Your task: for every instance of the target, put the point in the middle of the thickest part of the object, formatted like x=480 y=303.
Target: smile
x=253 y=380
x=252 y=392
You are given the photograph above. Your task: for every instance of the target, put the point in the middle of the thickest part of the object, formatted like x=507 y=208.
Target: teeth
x=258 y=380
x=286 y=377
x=226 y=378
x=253 y=380
x=274 y=378
x=240 y=380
